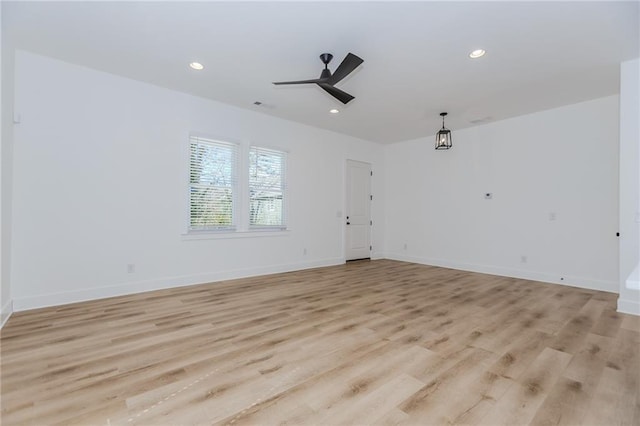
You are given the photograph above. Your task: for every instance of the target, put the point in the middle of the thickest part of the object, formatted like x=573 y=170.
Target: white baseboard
x=5 y=312
x=56 y=299
x=572 y=281
x=377 y=255
x=627 y=306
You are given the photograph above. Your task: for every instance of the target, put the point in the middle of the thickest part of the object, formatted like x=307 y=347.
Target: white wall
x=6 y=167
x=100 y=167
x=561 y=162
x=99 y=181
x=629 y=300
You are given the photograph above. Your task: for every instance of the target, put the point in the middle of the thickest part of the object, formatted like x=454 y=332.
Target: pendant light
x=443 y=137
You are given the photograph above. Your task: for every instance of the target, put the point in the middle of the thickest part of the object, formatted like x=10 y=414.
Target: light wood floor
x=378 y=342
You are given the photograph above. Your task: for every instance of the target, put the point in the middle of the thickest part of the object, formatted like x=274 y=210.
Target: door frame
x=346 y=205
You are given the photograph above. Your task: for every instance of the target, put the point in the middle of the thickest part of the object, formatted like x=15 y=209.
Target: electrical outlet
x=131 y=268
x=304 y=251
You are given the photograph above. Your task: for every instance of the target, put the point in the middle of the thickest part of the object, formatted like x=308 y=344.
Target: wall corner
x=5 y=313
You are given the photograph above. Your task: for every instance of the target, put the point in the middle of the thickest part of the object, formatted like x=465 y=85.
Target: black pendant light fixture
x=443 y=137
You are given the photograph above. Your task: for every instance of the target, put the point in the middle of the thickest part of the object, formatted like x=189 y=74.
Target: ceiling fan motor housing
x=326 y=58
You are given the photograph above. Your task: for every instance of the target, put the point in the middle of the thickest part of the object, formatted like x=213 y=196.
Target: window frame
x=241 y=194
x=282 y=187
x=235 y=184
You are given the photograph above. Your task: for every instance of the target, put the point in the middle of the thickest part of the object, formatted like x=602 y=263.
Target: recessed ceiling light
x=196 y=66
x=334 y=111
x=478 y=53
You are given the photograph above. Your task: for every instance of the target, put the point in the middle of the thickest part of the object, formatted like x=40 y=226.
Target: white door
x=358 y=214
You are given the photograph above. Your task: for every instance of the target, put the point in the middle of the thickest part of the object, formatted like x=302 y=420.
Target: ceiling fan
x=328 y=80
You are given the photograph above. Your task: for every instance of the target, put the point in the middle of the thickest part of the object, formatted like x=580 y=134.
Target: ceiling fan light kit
x=443 y=137
x=328 y=80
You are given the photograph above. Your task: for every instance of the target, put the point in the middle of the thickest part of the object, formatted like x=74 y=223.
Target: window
x=233 y=187
x=212 y=184
x=266 y=188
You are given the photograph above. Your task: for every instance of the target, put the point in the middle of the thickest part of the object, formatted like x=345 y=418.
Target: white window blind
x=267 y=188
x=212 y=184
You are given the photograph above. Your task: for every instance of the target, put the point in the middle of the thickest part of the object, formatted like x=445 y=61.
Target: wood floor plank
x=612 y=404
x=438 y=398
x=518 y=355
x=526 y=395
x=572 y=395
x=374 y=342
x=375 y=405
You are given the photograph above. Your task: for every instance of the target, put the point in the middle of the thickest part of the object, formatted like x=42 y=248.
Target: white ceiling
x=540 y=55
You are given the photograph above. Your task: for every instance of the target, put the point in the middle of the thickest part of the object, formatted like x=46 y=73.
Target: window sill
x=225 y=235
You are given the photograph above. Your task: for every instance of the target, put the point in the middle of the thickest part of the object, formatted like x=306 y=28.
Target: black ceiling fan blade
x=315 y=80
x=343 y=97
x=346 y=67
